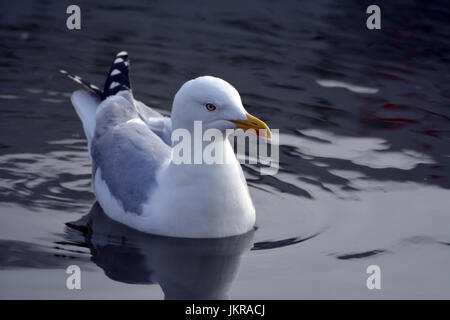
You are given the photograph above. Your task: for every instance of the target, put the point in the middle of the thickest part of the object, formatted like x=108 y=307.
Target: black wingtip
x=92 y=88
x=118 y=78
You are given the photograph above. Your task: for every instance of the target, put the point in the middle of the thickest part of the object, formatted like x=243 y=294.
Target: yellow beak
x=253 y=123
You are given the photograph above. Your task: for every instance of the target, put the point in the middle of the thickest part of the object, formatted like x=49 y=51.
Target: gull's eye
x=210 y=107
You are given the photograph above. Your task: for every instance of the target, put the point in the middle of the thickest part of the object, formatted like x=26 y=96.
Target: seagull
x=134 y=176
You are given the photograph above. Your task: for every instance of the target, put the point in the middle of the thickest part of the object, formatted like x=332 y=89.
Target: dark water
x=364 y=170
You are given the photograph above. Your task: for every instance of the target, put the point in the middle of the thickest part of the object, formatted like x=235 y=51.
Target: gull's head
x=216 y=103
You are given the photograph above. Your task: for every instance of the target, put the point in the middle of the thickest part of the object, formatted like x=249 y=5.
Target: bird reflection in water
x=184 y=268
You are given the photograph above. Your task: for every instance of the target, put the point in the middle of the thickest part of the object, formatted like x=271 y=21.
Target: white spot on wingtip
x=113 y=85
x=114 y=72
x=122 y=53
x=118 y=60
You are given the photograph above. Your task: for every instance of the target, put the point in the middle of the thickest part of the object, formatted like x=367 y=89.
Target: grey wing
x=127 y=152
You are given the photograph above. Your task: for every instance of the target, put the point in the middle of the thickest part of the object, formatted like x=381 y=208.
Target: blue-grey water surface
x=364 y=120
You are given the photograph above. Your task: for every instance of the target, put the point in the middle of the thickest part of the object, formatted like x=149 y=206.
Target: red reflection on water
x=396 y=120
x=390 y=76
x=393 y=106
